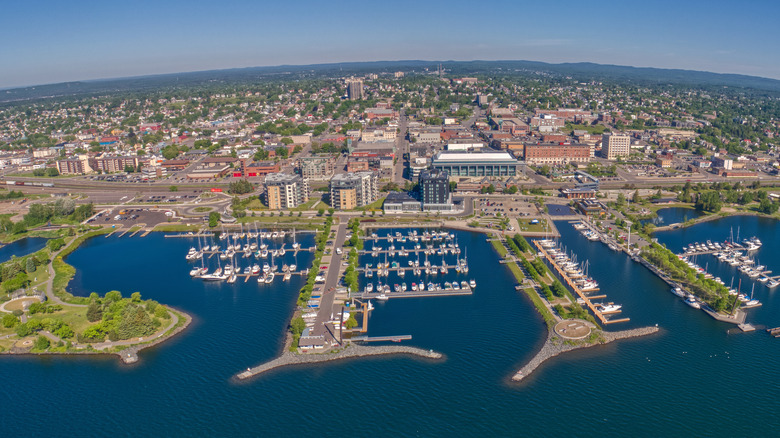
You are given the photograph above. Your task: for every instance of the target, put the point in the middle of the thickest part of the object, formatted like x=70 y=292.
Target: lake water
x=22 y=247
x=672 y=215
x=692 y=379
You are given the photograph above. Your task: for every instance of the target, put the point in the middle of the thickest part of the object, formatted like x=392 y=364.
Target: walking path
x=350 y=351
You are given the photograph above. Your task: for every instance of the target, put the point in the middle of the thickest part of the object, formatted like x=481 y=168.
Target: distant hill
x=583 y=71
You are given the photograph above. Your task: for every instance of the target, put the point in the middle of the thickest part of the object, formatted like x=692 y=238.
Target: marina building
x=435 y=190
x=615 y=145
x=400 y=202
x=283 y=191
x=476 y=163
x=352 y=190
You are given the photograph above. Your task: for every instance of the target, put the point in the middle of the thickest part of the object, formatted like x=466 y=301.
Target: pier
x=397 y=338
x=599 y=314
x=416 y=294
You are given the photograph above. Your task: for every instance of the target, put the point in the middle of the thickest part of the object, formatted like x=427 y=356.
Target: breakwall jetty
x=350 y=351
x=555 y=346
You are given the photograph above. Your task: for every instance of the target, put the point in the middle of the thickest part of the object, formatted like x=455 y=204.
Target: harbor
x=579 y=282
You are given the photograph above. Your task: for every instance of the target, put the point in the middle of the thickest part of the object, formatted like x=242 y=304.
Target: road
x=401 y=148
x=333 y=261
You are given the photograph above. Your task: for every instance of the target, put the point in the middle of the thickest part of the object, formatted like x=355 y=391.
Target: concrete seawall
x=350 y=351
x=551 y=349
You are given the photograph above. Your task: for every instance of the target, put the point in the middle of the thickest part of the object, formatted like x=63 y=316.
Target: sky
x=46 y=41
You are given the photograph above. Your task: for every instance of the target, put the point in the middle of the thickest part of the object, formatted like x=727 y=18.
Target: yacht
x=772 y=284
x=472 y=284
x=679 y=292
x=607 y=308
x=414 y=287
x=421 y=286
x=369 y=287
x=232 y=279
x=287 y=276
x=195 y=272
x=691 y=301
x=382 y=297
x=269 y=278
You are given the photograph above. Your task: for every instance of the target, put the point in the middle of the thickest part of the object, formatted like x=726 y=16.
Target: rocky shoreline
x=551 y=349
x=350 y=351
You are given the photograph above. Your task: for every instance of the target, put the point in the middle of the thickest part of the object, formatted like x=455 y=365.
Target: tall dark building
x=435 y=190
x=354 y=89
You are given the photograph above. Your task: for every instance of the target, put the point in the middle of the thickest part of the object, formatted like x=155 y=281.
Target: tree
x=52 y=172
x=621 y=199
x=240 y=187
x=636 y=199
x=41 y=343
x=30 y=265
x=282 y=152
x=767 y=207
x=10 y=320
x=286 y=140
x=213 y=219
x=94 y=312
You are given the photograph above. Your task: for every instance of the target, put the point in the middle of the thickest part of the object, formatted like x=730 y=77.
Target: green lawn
x=502 y=251
x=376 y=205
x=526 y=225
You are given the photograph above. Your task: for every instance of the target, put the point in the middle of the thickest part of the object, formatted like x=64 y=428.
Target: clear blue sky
x=47 y=41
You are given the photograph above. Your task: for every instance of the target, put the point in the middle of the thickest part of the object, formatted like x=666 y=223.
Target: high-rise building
x=351 y=190
x=284 y=191
x=615 y=145
x=354 y=89
x=435 y=190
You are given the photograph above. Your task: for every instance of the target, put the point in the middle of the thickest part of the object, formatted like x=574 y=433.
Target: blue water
x=692 y=379
x=22 y=247
x=672 y=215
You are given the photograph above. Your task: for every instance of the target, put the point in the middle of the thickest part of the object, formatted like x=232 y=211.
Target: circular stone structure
x=572 y=329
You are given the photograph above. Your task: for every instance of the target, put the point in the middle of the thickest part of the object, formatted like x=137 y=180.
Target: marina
x=578 y=282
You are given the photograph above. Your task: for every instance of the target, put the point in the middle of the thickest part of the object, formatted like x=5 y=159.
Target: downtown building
x=435 y=190
x=540 y=154
x=352 y=190
x=355 y=89
x=476 y=164
x=283 y=191
x=615 y=145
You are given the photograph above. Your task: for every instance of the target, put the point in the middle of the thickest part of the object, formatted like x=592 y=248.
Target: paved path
x=331 y=281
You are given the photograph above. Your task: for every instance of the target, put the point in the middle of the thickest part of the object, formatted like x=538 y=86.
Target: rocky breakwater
x=350 y=351
x=555 y=346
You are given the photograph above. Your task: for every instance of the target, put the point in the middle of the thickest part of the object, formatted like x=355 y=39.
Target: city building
x=354 y=89
x=317 y=167
x=113 y=164
x=435 y=190
x=352 y=190
x=476 y=163
x=400 y=202
x=615 y=145
x=74 y=166
x=556 y=153
x=283 y=191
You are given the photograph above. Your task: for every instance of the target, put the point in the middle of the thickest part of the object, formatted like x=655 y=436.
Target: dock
x=416 y=294
x=398 y=338
x=599 y=314
x=188 y=235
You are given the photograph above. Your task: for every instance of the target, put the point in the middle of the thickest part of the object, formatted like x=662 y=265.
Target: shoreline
x=288 y=358
x=555 y=346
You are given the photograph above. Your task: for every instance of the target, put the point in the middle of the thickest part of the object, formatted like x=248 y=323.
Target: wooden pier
x=599 y=314
x=410 y=269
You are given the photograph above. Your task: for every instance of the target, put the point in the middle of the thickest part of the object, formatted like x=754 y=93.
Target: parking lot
x=131 y=216
x=519 y=206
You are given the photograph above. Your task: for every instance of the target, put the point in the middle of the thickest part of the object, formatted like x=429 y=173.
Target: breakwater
x=555 y=346
x=350 y=351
